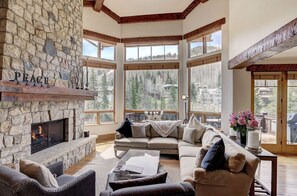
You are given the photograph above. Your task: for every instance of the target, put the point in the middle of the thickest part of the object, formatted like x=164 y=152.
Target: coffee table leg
x=252 y=189
x=274 y=177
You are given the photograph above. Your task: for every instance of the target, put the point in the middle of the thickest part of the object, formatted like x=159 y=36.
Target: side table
x=260 y=188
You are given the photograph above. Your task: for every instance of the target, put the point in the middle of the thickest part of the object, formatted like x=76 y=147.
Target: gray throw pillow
x=200 y=155
x=39 y=172
x=189 y=135
x=138 y=131
x=155 y=179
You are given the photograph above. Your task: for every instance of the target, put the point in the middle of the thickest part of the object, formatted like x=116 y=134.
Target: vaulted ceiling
x=132 y=11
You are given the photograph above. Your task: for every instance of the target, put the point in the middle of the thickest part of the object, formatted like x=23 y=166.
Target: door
x=275 y=107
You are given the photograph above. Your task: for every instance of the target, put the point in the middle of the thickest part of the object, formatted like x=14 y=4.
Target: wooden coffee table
x=149 y=160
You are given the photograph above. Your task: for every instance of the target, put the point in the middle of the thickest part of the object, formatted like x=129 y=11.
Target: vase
x=253 y=138
x=242 y=139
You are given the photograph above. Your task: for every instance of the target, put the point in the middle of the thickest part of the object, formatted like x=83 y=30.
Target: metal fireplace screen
x=47 y=134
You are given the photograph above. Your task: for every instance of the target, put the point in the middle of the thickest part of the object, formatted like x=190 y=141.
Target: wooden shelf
x=11 y=91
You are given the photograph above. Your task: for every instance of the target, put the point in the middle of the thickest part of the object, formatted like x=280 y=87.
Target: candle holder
x=253 y=139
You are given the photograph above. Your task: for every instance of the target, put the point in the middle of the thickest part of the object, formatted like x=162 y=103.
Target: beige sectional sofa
x=206 y=183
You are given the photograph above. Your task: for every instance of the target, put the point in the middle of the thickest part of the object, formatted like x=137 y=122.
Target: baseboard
x=105 y=137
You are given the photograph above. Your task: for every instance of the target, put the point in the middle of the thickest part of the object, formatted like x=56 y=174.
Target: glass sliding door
x=265 y=108
x=292 y=112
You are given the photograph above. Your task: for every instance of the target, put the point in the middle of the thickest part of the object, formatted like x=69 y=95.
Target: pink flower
x=247 y=114
x=233 y=122
x=241 y=120
x=253 y=123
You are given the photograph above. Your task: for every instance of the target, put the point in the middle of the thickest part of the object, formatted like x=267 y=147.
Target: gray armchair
x=174 y=189
x=14 y=183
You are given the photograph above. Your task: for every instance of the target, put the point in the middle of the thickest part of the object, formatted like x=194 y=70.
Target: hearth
x=47 y=134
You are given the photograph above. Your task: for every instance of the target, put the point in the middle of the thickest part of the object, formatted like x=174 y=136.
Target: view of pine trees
x=102 y=81
x=205 y=89
x=152 y=90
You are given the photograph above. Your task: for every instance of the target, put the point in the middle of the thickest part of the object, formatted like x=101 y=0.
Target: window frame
x=204 y=45
x=134 y=68
x=100 y=43
x=110 y=66
x=151 y=57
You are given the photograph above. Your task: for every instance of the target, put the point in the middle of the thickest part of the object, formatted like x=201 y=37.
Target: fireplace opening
x=47 y=134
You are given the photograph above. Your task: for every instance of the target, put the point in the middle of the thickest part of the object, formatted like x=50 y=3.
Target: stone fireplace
x=41 y=39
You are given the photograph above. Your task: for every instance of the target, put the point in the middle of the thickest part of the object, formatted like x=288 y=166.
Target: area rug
x=104 y=160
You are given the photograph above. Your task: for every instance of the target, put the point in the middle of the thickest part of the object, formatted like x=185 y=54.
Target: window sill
x=101 y=124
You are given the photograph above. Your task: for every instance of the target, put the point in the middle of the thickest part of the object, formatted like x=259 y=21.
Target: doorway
x=274 y=103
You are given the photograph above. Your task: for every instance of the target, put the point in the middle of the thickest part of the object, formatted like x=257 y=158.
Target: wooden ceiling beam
x=100 y=37
x=87 y=3
x=205 y=29
x=159 y=39
x=282 y=39
x=98 y=5
x=152 y=18
x=190 y=8
x=272 y=67
x=110 y=13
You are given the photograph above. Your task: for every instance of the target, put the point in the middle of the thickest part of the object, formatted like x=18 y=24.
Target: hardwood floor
x=287 y=169
x=286 y=175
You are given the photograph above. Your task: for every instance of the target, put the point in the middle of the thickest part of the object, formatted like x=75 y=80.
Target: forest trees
x=151 y=90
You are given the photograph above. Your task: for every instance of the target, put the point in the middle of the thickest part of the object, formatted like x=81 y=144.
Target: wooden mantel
x=11 y=91
x=282 y=39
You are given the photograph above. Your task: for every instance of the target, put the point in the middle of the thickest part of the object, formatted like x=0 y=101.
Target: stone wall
x=40 y=38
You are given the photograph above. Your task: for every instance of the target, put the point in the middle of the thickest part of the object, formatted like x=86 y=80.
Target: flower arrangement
x=239 y=122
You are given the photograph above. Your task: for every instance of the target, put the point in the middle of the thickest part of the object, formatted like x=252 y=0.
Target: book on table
x=132 y=169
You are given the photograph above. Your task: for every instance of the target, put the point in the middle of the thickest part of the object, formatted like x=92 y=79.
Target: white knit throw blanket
x=164 y=128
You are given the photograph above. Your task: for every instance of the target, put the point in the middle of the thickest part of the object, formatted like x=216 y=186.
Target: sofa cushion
x=160 y=142
x=138 y=131
x=147 y=128
x=200 y=154
x=154 y=179
x=215 y=157
x=210 y=137
x=187 y=151
x=183 y=143
x=189 y=135
x=235 y=162
x=187 y=166
x=38 y=172
x=125 y=128
x=155 y=134
x=194 y=123
x=132 y=142
x=180 y=130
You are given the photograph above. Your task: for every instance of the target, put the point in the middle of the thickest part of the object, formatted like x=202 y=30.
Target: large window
x=209 y=43
x=205 y=92
x=99 y=50
x=151 y=90
x=100 y=110
x=152 y=53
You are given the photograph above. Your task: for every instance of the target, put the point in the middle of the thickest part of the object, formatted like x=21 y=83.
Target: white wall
x=152 y=29
x=100 y=23
x=204 y=14
x=251 y=21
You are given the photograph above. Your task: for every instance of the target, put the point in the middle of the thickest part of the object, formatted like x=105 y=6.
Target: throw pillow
x=138 y=131
x=200 y=155
x=215 y=157
x=39 y=172
x=189 y=135
x=194 y=123
x=125 y=128
x=235 y=162
x=155 y=179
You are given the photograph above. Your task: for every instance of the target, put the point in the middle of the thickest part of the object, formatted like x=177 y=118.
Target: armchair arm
x=183 y=188
x=56 y=168
x=83 y=185
x=220 y=177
